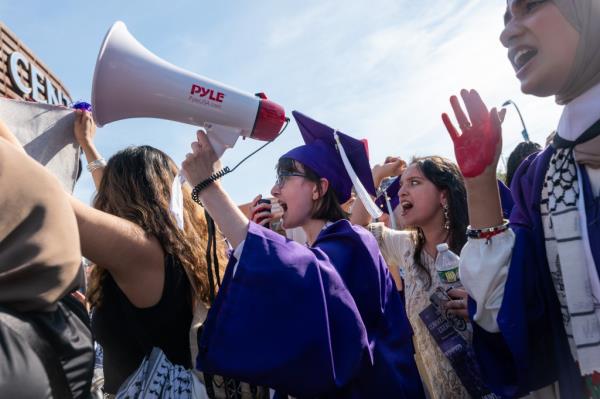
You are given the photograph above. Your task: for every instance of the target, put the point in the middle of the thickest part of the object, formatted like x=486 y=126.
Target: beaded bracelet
x=97 y=164
x=488 y=232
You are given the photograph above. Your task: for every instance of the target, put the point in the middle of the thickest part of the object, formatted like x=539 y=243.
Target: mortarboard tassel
x=361 y=191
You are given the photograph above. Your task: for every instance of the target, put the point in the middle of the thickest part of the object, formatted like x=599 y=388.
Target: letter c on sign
x=13 y=67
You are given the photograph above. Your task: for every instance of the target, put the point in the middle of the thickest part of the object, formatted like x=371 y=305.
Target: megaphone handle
x=217 y=175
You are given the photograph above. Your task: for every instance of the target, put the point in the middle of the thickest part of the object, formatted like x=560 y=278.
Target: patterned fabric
x=397 y=247
x=158 y=378
x=565 y=249
x=218 y=387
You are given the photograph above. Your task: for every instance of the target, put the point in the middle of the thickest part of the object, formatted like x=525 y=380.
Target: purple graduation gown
x=506 y=200
x=325 y=321
x=531 y=350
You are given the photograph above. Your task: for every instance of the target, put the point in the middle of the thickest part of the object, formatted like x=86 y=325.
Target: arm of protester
x=359 y=215
x=134 y=258
x=201 y=163
x=393 y=166
x=477 y=151
x=84 y=131
x=39 y=247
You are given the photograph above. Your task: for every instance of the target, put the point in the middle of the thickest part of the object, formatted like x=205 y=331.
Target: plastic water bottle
x=446 y=265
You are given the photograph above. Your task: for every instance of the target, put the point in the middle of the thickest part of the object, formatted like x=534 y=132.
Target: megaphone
x=131 y=82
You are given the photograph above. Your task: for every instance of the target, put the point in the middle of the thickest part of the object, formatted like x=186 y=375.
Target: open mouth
x=406 y=206
x=283 y=206
x=522 y=56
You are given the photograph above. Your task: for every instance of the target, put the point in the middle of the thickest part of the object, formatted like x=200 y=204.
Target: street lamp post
x=524 y=133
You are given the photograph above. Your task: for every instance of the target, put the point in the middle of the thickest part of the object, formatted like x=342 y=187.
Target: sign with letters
x=23 y=76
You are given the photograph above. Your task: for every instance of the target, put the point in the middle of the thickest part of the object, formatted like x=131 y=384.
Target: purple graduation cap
x=389 y=196
x=339 y=158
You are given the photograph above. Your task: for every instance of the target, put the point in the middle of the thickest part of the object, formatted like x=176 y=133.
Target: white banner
x=46 y=132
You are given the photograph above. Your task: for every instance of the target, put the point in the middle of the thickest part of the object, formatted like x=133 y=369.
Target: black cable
x=226 y=170
x=209 y=269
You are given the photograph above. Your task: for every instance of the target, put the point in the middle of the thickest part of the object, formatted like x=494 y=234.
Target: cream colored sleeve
x=393 y=244
x=483 y=272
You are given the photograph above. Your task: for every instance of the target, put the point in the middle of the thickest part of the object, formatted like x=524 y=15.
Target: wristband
x=488 y=232
x=97 y=164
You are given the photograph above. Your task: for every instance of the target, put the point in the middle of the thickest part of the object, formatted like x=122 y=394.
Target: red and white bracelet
x=488 y=232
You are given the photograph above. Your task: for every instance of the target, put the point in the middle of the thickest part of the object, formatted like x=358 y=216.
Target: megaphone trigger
x=222 y=137
x=219 y=174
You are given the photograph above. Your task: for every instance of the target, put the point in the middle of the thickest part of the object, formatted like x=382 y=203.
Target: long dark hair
x=446 y=176
x=328 y=207
x=136 y=185
x=516 y=157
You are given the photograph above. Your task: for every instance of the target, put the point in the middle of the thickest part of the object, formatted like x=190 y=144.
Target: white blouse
x=484 y=268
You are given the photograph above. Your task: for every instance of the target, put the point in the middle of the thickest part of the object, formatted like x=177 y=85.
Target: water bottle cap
x=442 y=247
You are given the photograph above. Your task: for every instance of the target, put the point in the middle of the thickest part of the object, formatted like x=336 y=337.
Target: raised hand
x=84 y=128
x=392 y=166
x=202 y=162
x=480 y=142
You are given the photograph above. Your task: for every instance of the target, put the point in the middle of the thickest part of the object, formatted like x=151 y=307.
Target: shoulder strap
x=25 y=328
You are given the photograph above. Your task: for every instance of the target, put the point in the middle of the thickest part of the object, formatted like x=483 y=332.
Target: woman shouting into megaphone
x=317 y=320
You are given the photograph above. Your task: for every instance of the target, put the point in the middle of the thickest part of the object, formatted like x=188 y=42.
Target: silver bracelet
x=97 y=164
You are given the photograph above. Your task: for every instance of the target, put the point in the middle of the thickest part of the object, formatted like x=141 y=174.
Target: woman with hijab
x=535 y=282
x=316 y=320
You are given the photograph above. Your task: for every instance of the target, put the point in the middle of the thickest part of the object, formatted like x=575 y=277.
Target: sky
x=379 y=69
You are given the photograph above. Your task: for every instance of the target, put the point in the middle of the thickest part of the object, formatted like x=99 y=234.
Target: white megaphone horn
x=132 y=82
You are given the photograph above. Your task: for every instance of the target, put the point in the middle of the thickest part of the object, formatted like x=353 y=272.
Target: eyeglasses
x=282 y=177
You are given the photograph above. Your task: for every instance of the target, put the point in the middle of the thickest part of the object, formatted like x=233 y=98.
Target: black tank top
x=128 y=333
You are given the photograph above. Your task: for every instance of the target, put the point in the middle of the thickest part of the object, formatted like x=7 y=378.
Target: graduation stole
x=569 y=257
x=449 y=332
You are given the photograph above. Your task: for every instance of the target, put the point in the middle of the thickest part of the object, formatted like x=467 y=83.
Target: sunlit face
x=420 y=200
x=541 y=45
x=297 y=196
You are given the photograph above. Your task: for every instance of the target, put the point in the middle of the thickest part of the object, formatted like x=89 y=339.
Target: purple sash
x=446 y=331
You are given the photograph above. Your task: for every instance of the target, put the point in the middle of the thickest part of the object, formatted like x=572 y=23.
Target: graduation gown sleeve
x=286 y=320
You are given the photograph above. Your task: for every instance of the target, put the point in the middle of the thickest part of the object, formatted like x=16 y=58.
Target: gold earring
x=446 y=217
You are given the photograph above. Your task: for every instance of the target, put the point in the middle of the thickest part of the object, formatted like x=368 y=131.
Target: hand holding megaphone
x=132 y=82
x=202 y=162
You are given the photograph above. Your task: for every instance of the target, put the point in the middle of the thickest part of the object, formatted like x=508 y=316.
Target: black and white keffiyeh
x=158 y=378
x=567 y=250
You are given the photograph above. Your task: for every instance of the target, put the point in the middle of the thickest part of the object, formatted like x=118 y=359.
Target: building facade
x=24 y=76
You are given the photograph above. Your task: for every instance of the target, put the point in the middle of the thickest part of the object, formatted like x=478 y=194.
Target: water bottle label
x=449 y=276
